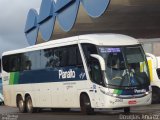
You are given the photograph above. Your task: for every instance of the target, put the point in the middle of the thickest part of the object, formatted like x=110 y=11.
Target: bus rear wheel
x=21 y=105
x=29 y=105
x=85 y=105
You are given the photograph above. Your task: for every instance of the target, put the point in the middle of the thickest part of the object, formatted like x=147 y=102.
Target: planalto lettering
x=140 y=91
x=67 y=74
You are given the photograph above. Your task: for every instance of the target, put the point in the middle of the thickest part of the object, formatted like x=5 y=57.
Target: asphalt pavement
x=151 y=112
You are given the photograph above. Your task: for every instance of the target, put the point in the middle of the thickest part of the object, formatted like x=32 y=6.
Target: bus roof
x=97 y=39
x=109 y=39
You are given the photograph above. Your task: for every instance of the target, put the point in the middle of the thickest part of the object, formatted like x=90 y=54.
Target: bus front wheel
x=85 y=105
x=155 y=95
x=29 y=105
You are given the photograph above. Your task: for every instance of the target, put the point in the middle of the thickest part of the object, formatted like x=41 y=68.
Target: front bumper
x=115 y=102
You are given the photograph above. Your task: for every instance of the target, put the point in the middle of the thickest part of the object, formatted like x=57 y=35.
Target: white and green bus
x=87 y=72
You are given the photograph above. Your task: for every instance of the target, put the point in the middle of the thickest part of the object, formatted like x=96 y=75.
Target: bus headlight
x=115 y=95
x=108 y=93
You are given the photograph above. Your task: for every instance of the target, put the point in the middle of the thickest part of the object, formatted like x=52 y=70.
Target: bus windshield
x=126 y=66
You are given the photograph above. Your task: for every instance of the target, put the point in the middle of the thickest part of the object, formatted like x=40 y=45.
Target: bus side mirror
x=101 y=61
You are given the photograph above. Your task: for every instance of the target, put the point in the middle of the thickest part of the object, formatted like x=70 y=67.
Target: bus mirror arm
x=101 y=61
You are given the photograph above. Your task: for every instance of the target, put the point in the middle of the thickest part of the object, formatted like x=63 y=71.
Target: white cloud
x=12 y=22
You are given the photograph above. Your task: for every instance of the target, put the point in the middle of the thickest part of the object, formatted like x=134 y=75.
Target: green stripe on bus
x=119 y=92
x=11 y=79
x=116 y=91
x=14 y=78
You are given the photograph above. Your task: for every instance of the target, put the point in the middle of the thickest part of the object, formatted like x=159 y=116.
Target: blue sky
x=13 y=14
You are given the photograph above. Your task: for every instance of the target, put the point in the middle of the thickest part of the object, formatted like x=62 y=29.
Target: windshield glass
x=125 y=66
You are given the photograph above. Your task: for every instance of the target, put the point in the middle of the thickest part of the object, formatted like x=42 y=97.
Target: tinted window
x=47 y=58
x=53 y=57
x=12 y=63
x=89 y=49
x=62 y=53
x=31 y=60
x=60 y=57
x=93 y=64
x=41 y=59
x=25 y=62
x=79 y=59
x=72 y=56
x=5 y=63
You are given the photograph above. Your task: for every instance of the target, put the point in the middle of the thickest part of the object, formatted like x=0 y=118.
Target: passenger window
x=72 y=60
x=42 y=59
x=11 y=63
x=89 y=49
x=5 y=64
x=25 y=62
x=74 y=57
x=50 y=58
x=30 y=60
x=63 y=56
x=60 y=57
x=79 y=59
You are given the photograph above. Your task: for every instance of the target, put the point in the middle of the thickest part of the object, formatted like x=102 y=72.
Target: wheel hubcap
x=21 y=104
x=29 y=105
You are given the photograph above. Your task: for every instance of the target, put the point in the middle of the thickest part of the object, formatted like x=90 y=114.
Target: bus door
x=94 y=70
x=97 y=79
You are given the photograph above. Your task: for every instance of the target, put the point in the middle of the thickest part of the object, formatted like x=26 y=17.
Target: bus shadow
x=78 y=112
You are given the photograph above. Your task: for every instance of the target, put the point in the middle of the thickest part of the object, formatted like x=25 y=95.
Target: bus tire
x=127 y=110
x=85 y=105
x=21 y=104
x=3 y=103
x=29 y=105
x=155 y=95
